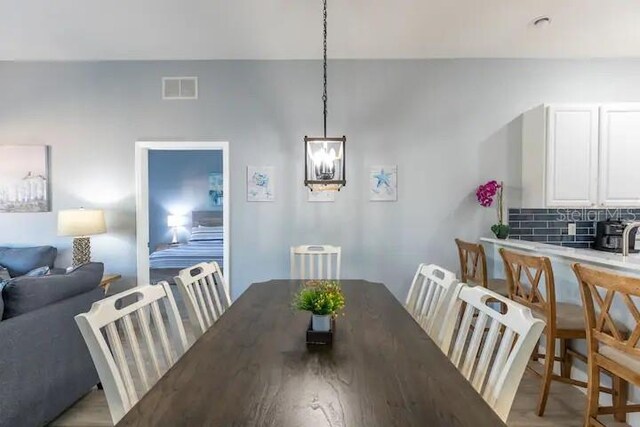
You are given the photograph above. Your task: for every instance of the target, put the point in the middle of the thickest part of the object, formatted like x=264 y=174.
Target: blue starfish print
x=384 y=179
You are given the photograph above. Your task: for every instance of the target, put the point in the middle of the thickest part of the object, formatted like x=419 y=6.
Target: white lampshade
x=176 y=220
x=81 y=222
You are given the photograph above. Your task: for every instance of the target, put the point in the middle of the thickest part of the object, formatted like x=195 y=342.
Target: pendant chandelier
x=324 y=167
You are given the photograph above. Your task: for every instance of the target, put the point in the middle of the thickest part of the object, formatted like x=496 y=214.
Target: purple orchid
x=485 y=193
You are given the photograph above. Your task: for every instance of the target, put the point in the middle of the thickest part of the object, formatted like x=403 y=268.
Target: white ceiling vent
x=179 y=88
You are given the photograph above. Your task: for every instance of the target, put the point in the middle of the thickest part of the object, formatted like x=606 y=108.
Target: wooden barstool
x=473 y=268
x=565 y=321
x=607 y=342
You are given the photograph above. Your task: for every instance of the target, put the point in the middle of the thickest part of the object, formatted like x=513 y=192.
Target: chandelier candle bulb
x=325 y=163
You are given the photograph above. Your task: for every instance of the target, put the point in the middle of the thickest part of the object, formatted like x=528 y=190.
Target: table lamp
x=175 y=221
x=80 y=224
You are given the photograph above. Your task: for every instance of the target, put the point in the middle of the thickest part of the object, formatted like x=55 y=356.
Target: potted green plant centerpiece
x=323 y=298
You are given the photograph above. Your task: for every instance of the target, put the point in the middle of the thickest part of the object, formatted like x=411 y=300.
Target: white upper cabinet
x=572 y=156
x=560 y=156
x=619 y=183
x=581 y=155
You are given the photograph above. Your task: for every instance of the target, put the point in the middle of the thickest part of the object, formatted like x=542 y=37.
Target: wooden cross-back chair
x=205 y=294
x=531 y=283
x=144 y=329
x=491 y=348
x=611 y=347
x=431 y=291
x=473 y=267
x=315 y=262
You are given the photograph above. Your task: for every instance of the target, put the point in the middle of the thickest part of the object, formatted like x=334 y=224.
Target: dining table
x=254 y=368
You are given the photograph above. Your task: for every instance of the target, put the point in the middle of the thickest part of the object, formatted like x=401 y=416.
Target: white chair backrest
x=113 y=332
x=315 y=262
x=489 y=348
x=205 y=293
x=431 y=290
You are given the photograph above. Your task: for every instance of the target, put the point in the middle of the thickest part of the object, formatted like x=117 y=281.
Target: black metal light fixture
x=324 y=167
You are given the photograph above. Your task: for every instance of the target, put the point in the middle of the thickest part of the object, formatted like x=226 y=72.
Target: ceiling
x=291 y=29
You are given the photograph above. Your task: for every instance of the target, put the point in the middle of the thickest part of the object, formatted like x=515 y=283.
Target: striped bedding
x=205 y=245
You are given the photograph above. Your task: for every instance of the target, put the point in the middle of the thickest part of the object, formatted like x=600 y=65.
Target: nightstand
x=107 y=280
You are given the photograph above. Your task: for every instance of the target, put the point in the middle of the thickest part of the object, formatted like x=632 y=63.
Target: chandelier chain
x=324 y=93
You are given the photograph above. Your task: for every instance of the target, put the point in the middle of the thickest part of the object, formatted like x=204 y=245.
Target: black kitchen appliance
x=609 y=236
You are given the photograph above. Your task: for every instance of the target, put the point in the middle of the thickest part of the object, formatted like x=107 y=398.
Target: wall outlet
x=572 y=229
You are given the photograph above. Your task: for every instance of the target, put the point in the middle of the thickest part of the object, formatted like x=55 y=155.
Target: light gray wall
x=447 y=124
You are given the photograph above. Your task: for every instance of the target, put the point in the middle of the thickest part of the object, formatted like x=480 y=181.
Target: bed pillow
x=206 y=233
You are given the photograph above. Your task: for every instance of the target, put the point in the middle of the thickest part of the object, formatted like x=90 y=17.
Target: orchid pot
x=501 y=231
x=486 y=194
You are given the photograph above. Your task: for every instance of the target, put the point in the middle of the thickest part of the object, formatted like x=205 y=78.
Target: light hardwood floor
x=565 y=408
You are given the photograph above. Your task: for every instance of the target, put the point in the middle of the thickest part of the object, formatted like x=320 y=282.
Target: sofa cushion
x=38 y=272
x=24 y=294
x=20 y=261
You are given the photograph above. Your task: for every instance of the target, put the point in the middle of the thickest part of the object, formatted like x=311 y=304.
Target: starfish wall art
x=383 y=183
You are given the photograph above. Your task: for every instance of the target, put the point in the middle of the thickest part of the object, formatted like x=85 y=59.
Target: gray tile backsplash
x=551 y=225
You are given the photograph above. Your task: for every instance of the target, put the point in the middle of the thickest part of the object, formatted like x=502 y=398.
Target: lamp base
x=81 y=251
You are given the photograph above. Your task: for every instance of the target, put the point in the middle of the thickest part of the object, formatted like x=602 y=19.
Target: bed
x=206 y=244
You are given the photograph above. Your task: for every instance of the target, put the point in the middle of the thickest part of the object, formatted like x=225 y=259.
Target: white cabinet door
x=619 y=155
x=572 y=156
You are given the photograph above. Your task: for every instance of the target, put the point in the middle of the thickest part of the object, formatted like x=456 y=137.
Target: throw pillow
x=2 y=282
x=4 y=274
x=38 y=272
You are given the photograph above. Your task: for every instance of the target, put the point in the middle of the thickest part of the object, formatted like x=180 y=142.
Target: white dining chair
x=315 y=262
x=205 y=293
x=114 y=329
x=431 y=289
x=491 y=349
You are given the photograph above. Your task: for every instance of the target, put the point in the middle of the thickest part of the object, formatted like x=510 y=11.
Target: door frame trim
x=142 y=199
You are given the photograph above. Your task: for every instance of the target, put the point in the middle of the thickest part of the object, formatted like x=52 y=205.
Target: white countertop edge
x=611 y=260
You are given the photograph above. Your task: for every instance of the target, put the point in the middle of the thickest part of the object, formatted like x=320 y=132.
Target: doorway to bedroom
x=182 y=207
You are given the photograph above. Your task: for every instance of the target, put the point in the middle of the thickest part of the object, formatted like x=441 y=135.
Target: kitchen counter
x=590 y=256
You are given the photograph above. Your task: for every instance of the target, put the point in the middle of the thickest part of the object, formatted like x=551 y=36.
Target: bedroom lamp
x=324 y=164
x=80 y=224
x=175 y=221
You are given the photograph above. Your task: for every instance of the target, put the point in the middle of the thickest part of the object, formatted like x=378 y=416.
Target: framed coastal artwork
x=215 y=189
x=260 y=184
x=383 y=183
x=24 y=178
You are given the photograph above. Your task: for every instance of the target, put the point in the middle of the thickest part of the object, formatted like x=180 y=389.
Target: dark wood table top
x=252 y=368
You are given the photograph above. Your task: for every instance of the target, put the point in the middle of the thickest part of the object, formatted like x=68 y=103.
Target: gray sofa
x=44 y=363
